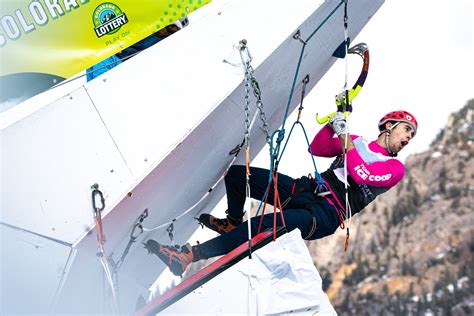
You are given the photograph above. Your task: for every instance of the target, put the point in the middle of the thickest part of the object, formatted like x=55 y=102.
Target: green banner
x=56 y=39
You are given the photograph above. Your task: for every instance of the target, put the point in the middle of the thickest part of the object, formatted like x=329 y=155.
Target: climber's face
x=400 y=136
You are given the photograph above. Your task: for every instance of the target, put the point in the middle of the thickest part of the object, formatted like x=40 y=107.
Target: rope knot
x=281 y=135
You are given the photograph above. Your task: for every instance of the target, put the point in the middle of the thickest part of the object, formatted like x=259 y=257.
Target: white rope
x=346 y=59
x=249 y=278
x=108 y=274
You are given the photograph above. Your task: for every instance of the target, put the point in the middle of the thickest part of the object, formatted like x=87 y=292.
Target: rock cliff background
x=411 y=252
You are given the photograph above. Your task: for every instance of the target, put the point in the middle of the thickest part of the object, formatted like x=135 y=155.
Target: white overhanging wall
x=155 y=133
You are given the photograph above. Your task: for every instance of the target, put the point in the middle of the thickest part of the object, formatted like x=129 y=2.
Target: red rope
x=276 y=204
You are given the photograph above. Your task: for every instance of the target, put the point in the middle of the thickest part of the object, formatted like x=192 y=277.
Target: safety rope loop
x=274 y=155
x=305 y=81
x=320 y=185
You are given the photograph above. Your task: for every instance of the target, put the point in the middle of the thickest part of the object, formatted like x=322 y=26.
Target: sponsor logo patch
x=364 y=174
x=108 y=19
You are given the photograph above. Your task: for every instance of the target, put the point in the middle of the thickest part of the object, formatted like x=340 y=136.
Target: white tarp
x=283 y=280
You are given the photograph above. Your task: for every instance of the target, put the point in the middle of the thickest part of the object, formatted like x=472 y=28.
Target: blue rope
x=281 y=132
x=275 y=155
x=325 y=20
x=300 y=59
x=321 y=186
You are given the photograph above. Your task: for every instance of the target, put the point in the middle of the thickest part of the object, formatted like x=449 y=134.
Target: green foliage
x=385 y=212
x=360 y=273
x=471 y=244
x=406 y=208
x=434 y=261
x=408 y=268
x=453 y=292
x=461 y=166
x=442 y=180
x=455 y=204
x=446 y=279
x=454 y=192
x=326 y=278
x=386 y=238
x=373 y=246
x=374 y=208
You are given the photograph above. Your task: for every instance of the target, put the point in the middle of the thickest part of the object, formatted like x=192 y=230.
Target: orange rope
x=346 y=243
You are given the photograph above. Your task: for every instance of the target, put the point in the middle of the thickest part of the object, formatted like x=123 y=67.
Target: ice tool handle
x=362 y=50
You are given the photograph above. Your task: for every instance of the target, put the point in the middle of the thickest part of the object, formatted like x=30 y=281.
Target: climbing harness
x=98 y=197
x=320 y=185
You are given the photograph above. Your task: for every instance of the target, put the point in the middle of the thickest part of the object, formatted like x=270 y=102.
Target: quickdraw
x=362 y=50
x=137 y=229
x=98 y=197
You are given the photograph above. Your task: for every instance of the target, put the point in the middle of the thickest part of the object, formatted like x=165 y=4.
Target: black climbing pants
x=301 y=212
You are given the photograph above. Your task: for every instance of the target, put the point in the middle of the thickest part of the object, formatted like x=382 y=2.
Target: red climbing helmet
x=398 y=116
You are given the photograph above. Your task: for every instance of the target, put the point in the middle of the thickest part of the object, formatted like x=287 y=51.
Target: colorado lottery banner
x=43 y=42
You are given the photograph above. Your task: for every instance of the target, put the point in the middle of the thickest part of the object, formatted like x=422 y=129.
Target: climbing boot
x=177 y=258
x=220 y=225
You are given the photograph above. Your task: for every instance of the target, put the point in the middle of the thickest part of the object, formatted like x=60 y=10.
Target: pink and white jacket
x=371 y=171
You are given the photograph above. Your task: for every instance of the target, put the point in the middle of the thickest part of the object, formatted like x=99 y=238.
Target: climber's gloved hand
x=338 y=123
x=348 y=108
x=342 y=105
